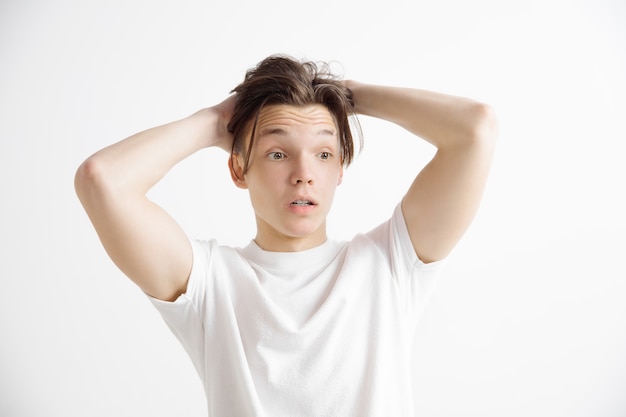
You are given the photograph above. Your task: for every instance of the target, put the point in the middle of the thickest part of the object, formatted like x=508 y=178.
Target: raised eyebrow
x=273 y=130
x=331 y=132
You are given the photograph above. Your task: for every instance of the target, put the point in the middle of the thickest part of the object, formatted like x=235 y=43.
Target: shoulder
x=210 y=258
x=209 y=250
x=391 y=241
x=390 y=236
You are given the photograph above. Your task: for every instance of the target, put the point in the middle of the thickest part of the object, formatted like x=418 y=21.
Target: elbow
x=483 y=130
x=88 y=179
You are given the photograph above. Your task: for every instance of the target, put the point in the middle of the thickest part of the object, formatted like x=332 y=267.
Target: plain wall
x=529 y=318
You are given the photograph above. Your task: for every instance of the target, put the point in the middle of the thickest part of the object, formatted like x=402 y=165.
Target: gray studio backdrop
x=529 y=318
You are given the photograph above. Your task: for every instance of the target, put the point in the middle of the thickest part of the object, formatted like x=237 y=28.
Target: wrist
x=359 y=95
x=204 y=123
x=215 y=127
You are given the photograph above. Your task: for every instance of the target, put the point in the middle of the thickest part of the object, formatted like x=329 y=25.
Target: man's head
x=292 y=140
x=280 y=79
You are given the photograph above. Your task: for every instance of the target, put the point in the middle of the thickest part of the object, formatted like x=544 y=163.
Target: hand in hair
x=222 y=138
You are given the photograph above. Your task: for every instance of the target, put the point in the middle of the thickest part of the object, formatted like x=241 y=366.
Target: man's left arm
x=444 y=197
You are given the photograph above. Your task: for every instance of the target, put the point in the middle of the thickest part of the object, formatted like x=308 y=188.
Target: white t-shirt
x=323 y=332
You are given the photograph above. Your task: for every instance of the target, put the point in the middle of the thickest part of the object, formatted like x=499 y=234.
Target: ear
x=236 y=171
x=340 y=176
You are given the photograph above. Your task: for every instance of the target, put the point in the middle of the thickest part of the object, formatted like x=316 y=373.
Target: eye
x=276 y=156
x=325 y=155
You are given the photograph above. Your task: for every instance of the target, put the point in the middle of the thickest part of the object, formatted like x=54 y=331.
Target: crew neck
x=285 y=261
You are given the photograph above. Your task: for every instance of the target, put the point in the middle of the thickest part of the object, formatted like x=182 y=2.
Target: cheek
x=268 y=177
x=264 y=182
x=340 y=179
x=335 y=177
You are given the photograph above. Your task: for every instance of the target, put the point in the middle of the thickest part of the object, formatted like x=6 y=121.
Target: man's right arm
x=143 y=240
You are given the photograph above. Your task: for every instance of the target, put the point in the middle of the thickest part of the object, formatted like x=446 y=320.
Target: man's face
x=294 y=168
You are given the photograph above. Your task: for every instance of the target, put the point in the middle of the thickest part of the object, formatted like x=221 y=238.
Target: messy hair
x=280 y=79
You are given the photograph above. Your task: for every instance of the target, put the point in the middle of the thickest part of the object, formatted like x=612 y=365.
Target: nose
x=302 y=172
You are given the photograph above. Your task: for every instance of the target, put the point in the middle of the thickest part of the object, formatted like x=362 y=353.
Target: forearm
x=135 y=164
x=443 y=120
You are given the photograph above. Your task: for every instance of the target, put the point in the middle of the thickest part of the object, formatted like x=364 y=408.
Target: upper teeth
x=301 y=202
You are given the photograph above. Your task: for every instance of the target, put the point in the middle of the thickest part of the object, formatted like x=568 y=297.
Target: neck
x=281 y=243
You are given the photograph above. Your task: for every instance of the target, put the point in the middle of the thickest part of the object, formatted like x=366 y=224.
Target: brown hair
x=280 y=79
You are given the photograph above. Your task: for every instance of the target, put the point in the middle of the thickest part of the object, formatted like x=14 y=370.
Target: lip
x=303 y=198
x=302 y=209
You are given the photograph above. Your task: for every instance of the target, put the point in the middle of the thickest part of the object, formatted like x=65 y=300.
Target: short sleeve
x=415 y=278
x=185 y=315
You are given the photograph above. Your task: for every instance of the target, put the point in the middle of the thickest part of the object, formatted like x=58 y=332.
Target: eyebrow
x=279 y=131
x=272 y=131
x=330 y=132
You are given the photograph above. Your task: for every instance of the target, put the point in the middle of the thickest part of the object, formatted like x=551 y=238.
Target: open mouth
x=302 y=203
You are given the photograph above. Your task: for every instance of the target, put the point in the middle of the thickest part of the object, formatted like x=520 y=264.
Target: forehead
x=314 y=115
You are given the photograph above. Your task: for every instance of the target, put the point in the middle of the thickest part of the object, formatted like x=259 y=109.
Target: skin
x=149 y=246
x=444 y=197
x=294 y=158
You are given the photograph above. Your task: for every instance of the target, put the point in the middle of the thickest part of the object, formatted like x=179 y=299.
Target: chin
x=303 y=232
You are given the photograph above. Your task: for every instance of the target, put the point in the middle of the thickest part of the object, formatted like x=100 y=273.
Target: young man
x=295 y=324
